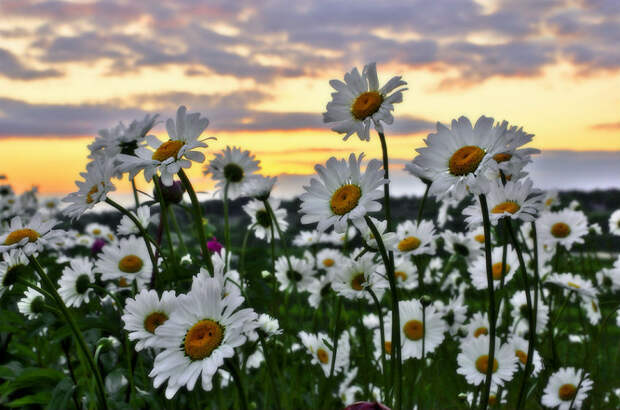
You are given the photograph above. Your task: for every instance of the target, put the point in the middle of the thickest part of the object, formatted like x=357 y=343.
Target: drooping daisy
x=343 y=194
x=415 y=239
x=473 y=361
x=269 y=325
x=454 y=313
x=14 y=266
x=573 y=283
x=299 y=274
x=259 y=187
x=459 y=157
x=28 y=237
x=126 y=260
x=566 y=227
x=389 y=238
x=568 y=386
x=520 y=314
x=323 y=355
x=127 y=227
x=234 y=168
x=200 y=333
x=329 y=260
x=359 y=103
x=261 y=220
x=31 y=304
x=520 y=347
x=355 y=276
x=614 y=223
x=171 y=156
x=460 y=244
x=94 y=189
x=478 y=268
x=414 y=328
x=146 y=313
x=76 y=280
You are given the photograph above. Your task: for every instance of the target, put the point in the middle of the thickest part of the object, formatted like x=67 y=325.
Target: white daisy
x=30 y=237
x=454 y=313
x=342 y=194
x=298 y=275
x=125 y=260
x=14 y=266
x=592 y=308
x=405 y=272
x=415 y=239
x=473 y=361
x=519 y=312
x=477 y=234
x=269 y=325
x=573 y=283
x=346 y=390
x=551 y=199
x=340 y=238
x=50 y=206
x=414 y=328
x=477 y=326
x=171 y=156
x=122 y=139
x=520 y=347
x=127 y=227
x=75 y=283
x=359 y=102
x=200 y=333
x=565 y=387
x=93 y=189
x=259 y=187
x=31 y=304
x=355 y=276
x=460 y=244
x=614 y=223
x=319 y=289
x=307 y=238
x=97 y=230
x=389 y=238
x=566 y=227
x=233 y=167
x=478 y=268
x=330 y=260
x=323 y=355
x=261 y=219
x=145 y=313
x=460 y=157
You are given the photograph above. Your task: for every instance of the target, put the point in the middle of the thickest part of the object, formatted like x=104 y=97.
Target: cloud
x=609 y=126
x=12 y=68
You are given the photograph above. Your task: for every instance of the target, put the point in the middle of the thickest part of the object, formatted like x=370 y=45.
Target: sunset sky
x=259 y=70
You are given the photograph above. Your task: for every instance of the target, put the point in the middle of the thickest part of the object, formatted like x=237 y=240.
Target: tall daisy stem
x=275 y=223
x=386 y=187
x=334 y=357
x=382 y=335
x=75 y=329
x=226 y=227
x=492 y=314
x=197 y=211
x=232 y=368
x=270 y=370
x=135 y=193
x=423 y=203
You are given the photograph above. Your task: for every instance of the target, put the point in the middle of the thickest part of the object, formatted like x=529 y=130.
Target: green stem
x=163 y=214
x=382 y=335
x=243 y=248
x=76 y=331
x=175 y=224
x=226 y=228
x=135 y=193
x=428 y=186
x=232 y=368
x=386 y=187
x=275 y=223
x=270 y=371
x=332 y=367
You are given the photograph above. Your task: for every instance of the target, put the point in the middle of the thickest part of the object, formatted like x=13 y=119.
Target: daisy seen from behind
x=94 y=189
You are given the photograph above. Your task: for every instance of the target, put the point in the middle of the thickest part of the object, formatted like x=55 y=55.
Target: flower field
x=485 y=293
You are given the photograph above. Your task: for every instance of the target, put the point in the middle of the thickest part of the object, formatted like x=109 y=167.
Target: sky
x=260 y=72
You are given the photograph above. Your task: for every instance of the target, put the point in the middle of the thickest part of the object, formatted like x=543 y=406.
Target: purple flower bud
x=173 y=194
x=366 y=405
x=97 y=245
x=214 y=246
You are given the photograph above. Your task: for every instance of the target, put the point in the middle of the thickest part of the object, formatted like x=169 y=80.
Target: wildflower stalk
x=175 y=224
x=232 y=368
x=492 y=314
x=75 y=329
x=382 y=334
x=423 y=203
x=275 y=223
x=197 y=219
x=135 y=193
x=270 y=371
x=396 y=353
x=226 y=227
x=65 y=348
x=334 y=353
x=163 y=215
x=386 y=187
x=244 y=247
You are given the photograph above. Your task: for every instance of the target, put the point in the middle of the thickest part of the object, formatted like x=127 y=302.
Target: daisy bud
x=265 y=273
x=172 y=194
x=426 y=300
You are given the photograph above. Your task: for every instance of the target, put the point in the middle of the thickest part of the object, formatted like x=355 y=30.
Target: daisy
x=145 y=313
x=97 y=230
x=478 y=268
x=330 y=260
x=298 y=275
x=318 y=289
x=614 y=223
x=31 y=304
x=477 y=234
x=359 y=102
x=232 y=168
x=50 y=206
x=30 y=237
x=94 y=189
x=551 y=199
x=424 y=174
x=415 y=239
x=13 y=266
x=259 y=187
x=269 y=325
x=341 y=238
x=460 y=157
x=415 y=328
x=389 y=238
x=520 y=347
x=307 y=238
x=573 y=283
x=261 y=219
x=568 y=386
x=457 y=243
x=127 y=260
x=405 y=273
x=566 y=227
x=473 y=361
x=127 y=227
x=355 y=276
x=323 y=355
x=121 y=139
x=342 y=194
x=200 y=333
x=592 y=308
x=477 y=326
x=74 y=285
x=519 y=312
x=171 y=156
x=454 y=313
x=346 y=389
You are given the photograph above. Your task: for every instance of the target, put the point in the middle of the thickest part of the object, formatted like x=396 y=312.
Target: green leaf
x=37 y=398
x=61 y=395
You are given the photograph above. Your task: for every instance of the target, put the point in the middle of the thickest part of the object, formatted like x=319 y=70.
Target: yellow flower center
x=50 y=204
x=479 y=238
x=167 y=149
x=357 y=282
x=414 y=330
x=89 y=195
x=502 y=157
x=481 y=331
x=110 y=237
x=410 y=243
x=366 y=104
x=96 y=231
x=567 y=392
x=400 y=274
x=388 y=347
x=594 y=307
x=492 y=400
x=497 y=270
x=560 y=230
x=345 y=199
x=16 y=236
x=154 y=320
x=508 y=206
x=573 y=285
x=549 y=201
x=482 y=364
x=203 y=338
x=122 y=282
x=465 y=160
x=328 y=262
x=322 y=355
x=522 y=356
x=130 y=264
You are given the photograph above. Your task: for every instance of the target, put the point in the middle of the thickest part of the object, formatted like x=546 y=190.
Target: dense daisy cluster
x=491 y=298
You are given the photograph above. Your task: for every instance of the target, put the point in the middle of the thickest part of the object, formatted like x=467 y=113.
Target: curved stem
x=386 y=187
x=382 y=334
x=232 y=368
x=135 y=193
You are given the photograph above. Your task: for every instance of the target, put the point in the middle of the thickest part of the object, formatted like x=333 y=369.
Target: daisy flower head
x=97 y=230
x=454 y=313
x=424 y=174
x=389 y=238
x=520 y=315
x=341 y=238
x=31 y=304
x=343 y=193
x=261 y=219
x=414 y=328
x=171 y=156
x=573 y=283
x=352 y=280
x=415 y=239
x=75 y=283
x=232 y=169
x=122 y=139
x=566 y=388
x=323 y=355
x=478 y=268
x=330 y=260
x=202 y=331
x=520 y=347
x=94 y=189
x=614 y=223
x=473 y=361
x=513 y=154
x=405 y=272
x=13 y=266
x=28 y=237
x=592 y=308
x=459 y=157
x=300 y=274
x=260 y=187
x=126 y=260
x=127 y=227
x=319 y=289
x=477 y=326
x=359 y=102
x=307 y=238
x=457 y=243
x=50 y=206
x=145 y=313
x=566 y=227
x=269 y=325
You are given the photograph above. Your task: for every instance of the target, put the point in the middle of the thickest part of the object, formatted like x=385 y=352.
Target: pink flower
x=214 y=246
